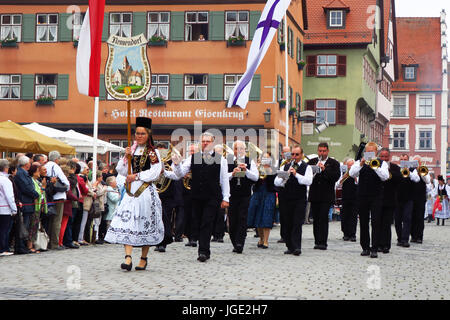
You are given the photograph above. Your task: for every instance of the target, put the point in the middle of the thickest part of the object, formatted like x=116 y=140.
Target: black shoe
x=99 y=242
x=281 y=241
x=22 y=251
x=259 y=245
x=399 y=244
x=162 y=249
x=413 y=240
x=365 y=253
x=127 y=266
x=238 y=249
x=264 y=247
x=380 y=249
x=316 y=246
x=288 y=252
x=178 y=239
x=142 y=268
x=385 y=250
x=72 y=246
x=419 y=241
x=220 y=240
x=346 y=238
x=214 y=239
x=297 y=252
x=202 y=257
x=353 y=239
x=405 y=244
x=374 y=254
x=322 y=247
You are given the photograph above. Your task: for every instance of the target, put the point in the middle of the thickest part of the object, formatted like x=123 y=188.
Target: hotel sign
x=195 y=114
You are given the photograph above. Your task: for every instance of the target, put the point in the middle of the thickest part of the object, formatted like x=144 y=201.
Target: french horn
x=163 y=183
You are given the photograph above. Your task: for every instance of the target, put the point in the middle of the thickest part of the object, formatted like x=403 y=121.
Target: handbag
x=94 y=211
x=58 y=186
x=42 y=239
x=23 y=232
x=51 y=211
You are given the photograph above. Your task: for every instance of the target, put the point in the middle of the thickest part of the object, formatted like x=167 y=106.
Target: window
x=114 y=157
x=78 y=18
x=158 y=24
x=120 y=24
x=326 y=111
x=326 y=65
x=230 y=81
x=425 y=139
x=195 y=87
x=280 y=88
x=400 y=107
x=290 y=93
x=281 y=32
x=47 y=28
x=425 y=106
x=160 y=86
x=196 y=27
x=10 y=86
x=45 y=86
x=399 y=140
x=290 y=44
x=236 y=24
x=336 y=18
x=11 y=26
x=410 y=73
x=299 y=51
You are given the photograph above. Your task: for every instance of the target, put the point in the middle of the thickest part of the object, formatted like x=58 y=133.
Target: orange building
x=194 y=78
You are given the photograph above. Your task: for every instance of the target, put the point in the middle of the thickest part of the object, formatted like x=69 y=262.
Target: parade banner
x=127 y=71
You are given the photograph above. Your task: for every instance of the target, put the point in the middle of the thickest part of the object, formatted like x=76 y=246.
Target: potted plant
x=43 y=100
x=292 y=111
x=156 y=101
x=282 y=46
x=9 y=42
x=301 y=64
x=159 y=41
x=75 y=42
x=236 y=41
x=282 y=103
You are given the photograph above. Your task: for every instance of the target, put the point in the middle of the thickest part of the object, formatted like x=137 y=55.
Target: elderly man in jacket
x=27 y=193
x=54 y=170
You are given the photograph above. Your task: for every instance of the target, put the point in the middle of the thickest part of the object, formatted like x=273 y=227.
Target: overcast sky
x=421 y=8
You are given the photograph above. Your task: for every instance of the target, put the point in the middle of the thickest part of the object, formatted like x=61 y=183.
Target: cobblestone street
x=418 y=272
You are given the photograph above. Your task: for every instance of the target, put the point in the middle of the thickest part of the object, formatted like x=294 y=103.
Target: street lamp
x=267 y=115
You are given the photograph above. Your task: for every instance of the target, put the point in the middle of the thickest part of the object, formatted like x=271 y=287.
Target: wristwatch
x=137 y=177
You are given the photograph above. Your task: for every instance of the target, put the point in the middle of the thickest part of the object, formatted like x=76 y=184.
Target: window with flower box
x=11 y=27
x=10 y=86
x=158 y=25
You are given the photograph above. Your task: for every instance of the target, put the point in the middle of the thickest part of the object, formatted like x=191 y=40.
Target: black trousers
x=167 y=208
x=295 y=217
x=281 y=202
x=76 y=223
x=403 y=216
x=203 y=212
x=219 y=224
x=369 y=209
x=417 y=221
x=349 y=218
x=387 y=215
x=177 y=221
x=319 y=212
x=188 y=217
x=237 y=213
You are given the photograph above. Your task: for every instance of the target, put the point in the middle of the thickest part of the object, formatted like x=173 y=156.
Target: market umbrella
x=16 y=138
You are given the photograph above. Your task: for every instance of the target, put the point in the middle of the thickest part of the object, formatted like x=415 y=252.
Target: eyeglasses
x=296 y=154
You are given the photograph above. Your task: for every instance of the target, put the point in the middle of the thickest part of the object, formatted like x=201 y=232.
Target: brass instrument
x=344 y=177
x=422 y=170
x=227 y=150
x=284 y=162
x=163 y=183
x=405 y=172
x=187 y=181
x=375 y=163
x=262 y=172
x=254 y=149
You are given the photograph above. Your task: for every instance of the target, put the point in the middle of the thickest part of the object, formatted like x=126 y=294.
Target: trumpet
x=422 y=170
x=405 y=172
x=375 y=163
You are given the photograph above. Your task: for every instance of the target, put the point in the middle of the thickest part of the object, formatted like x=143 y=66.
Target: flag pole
x=129 y=134
x=287 y=79
x=94 y=152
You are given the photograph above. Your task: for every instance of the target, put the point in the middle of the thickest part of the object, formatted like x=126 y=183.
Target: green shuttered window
x=29 y=27
x=139 y=23
x=27 y=87
x=65 y=34
x=176 y=87
x=255 y=91
x=217 y=25
x=177 y=26
x=63 y=87
x=215 y=87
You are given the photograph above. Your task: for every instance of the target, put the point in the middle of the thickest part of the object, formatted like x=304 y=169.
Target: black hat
x=440 y=178
x=144 y=122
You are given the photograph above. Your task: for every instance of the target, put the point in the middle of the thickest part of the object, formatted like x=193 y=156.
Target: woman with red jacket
x=70 y=196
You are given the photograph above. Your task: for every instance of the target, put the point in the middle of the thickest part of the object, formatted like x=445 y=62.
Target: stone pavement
x=419 y=272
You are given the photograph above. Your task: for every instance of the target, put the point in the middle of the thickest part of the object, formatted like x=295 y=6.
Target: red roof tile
x=356 y=22
x=336 y=4
x=419 y=42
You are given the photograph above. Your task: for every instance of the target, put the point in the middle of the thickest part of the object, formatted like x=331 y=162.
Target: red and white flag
x=89 y=49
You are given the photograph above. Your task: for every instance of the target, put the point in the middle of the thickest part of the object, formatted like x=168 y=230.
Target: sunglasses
x=296 y=154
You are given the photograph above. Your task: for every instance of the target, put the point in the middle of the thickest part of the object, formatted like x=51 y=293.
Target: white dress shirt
x=54 y=170
x=382 y=172
x=185 y=166
x=252 y=173
x=302 y=179
x=7 y=200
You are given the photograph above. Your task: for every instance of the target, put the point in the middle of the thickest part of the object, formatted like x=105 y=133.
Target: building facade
x=194 y=67
x=350 y=51
x=418 y=125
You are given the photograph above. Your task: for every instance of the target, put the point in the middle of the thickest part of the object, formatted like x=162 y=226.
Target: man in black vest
x=210 y=189
x=349 y=212
x=370 y=197
x=322 y=193
x=389 y=201
x=293 y=189
x=421 y=190
x=241 y=191
x=405 y=201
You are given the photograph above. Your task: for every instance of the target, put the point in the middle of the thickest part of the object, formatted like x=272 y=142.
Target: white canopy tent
x=81 y=142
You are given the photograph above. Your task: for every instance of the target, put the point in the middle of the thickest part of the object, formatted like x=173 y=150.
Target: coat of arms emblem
x=127 y=68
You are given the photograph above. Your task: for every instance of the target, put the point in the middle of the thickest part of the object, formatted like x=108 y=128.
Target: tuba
x=163 y=183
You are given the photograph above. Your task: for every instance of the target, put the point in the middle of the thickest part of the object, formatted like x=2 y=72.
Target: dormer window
x=410 y=73
x=336 y=19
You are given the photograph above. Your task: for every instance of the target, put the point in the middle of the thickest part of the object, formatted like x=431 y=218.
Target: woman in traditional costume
x=138 y=218
x=441 y=193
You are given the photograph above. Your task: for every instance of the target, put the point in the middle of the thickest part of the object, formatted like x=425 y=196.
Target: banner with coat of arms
x=127 y=71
